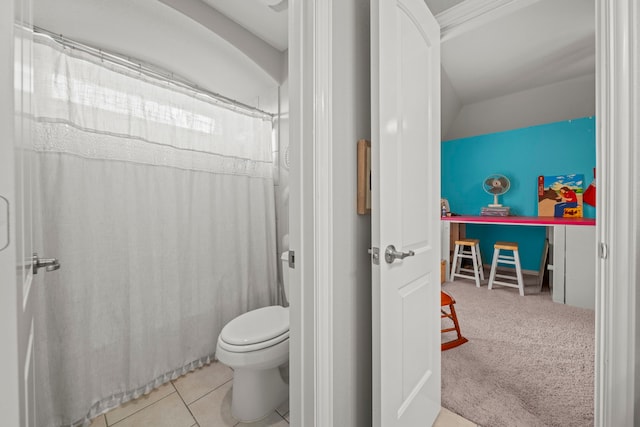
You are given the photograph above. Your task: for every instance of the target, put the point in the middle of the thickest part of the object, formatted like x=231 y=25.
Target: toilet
x=255 y=344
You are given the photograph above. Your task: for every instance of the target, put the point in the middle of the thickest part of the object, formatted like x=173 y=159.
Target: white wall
x=155 y=33
x=351 y=232
x=565 y=100
x=451 y=104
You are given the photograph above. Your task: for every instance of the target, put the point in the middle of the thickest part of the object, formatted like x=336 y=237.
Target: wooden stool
x=447 y=300
x=473 y=253
x=513 y=259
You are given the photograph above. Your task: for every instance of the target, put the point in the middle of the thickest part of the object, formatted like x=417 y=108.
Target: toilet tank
x=284 y=261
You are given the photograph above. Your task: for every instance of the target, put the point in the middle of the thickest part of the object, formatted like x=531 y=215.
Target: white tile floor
x=202 y=399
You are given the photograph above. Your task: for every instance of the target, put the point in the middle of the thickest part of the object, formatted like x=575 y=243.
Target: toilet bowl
x=255 y=344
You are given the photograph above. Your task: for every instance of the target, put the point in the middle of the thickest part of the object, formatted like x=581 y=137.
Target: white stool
x=513 y=259
x=473 y=253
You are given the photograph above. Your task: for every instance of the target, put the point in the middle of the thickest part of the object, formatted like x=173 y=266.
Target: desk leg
x=445 y=245
x=557 y=241
x=450 y=232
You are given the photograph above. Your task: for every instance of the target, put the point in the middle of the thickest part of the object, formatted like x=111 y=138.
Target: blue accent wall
x=522 y=155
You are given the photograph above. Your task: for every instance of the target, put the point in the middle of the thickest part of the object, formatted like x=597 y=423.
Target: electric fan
x=497 y=185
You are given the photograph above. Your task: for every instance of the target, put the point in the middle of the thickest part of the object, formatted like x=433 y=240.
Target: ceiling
x=547 y=41
x=271 y=26
x=257 y=17
x=505 y=46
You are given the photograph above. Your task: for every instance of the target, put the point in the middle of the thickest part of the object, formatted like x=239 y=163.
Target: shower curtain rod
x=152 y=71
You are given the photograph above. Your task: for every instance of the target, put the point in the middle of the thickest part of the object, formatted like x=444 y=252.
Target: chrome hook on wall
x=49 y=264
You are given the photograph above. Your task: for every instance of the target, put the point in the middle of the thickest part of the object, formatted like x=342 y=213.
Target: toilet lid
x=256 y=326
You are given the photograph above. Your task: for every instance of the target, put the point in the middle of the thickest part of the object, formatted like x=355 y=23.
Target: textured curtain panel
x=160 y=207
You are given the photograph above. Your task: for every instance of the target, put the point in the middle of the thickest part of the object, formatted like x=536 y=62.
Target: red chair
x=447 y=300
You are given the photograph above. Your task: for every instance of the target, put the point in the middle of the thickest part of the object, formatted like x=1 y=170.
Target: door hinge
x=603 y=250
x=375 y=255
x=4 y=223
x=292 y=259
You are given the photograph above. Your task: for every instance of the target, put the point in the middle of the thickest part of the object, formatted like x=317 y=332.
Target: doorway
x=610 y=15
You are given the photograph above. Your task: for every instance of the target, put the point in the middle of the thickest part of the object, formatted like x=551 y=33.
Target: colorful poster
x=560 y=195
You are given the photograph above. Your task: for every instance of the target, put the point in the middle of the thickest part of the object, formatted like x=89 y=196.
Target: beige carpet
x=529 y=362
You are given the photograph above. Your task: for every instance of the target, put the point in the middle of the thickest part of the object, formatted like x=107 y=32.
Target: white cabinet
x=573 y=273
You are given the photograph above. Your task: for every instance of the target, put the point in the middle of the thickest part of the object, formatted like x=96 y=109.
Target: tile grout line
x=209 y=392
x=282 y=415
x=185 y=404
x=141 y=409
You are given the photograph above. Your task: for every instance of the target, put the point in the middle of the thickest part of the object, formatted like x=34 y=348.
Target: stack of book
x=495 y=211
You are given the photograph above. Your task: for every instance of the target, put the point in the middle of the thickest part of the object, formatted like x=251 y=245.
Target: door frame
x=618 y=156
x=616 y=306
x=310 y=213
x=9 y=392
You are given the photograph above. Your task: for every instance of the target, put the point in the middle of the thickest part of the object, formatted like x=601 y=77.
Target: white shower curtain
x=159 y=205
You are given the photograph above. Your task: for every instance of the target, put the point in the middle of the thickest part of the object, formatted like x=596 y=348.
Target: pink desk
x=519 y=220
x=572 y=252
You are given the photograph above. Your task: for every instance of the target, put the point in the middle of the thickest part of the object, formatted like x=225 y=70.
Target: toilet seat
x=253 y=347
x=256 y=330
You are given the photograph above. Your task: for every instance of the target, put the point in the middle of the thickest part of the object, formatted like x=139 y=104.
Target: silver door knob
x=49 y=264
x=391 y=254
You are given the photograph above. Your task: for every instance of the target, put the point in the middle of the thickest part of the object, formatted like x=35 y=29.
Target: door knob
x=49 y=264
x=391 y=254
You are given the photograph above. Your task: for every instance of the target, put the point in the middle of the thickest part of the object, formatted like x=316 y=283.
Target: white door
x=405 y=56
x=17 y=393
